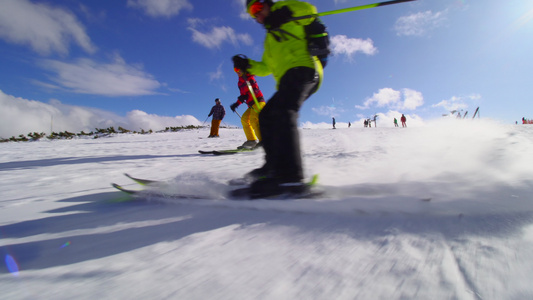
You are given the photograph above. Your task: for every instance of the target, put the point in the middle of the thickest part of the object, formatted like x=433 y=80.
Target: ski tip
x=205 y=152
x=120 y=188
x=314 y=180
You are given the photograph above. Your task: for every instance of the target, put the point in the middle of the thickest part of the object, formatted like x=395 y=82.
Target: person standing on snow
x=395 y=122
x=250 y=118
x=298 y=74
x=404 y=120
x=334 y=123
x=218 y=113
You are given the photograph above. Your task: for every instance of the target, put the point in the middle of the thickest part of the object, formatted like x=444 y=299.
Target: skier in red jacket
x=250 y=118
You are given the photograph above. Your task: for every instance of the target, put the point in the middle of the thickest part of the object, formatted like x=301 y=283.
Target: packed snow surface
x=440 y=211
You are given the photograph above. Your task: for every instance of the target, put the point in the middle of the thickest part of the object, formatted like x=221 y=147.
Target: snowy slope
x=442 y=211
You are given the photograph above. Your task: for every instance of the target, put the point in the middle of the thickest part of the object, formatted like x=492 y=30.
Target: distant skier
x=404 y=120
x=334 y=123
x=250 y=118
x=396 y=122
x=218 y=113
x=349 y=124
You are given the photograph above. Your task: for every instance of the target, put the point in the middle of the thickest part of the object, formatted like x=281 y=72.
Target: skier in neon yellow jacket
x=298 y=75
x=286 y=46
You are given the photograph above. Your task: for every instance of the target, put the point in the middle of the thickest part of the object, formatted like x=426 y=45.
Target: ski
x=238 y=194
x=142 y=181
x=244 y=194
x=146 y=182
x=225 y=152
x=153 y=193
x=235 y=151
x=120 y=188
x=205 y=152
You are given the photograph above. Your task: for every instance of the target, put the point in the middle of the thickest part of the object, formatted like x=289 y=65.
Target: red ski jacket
x=243 y=88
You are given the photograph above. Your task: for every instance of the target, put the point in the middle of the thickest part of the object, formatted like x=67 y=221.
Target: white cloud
x=241 y=4
x=329 y=111
x=86 y=76
x=46 y=29
x=412 y=99
x=217 y=35
x=322 y=125
x=388 y=97
x=175 y=90
x=217 y=77
x=341 y=44
x=22 y=116
x=138 y=120
x=383 y=97
x=419 y=24
x=161 y=8
x=218 y=74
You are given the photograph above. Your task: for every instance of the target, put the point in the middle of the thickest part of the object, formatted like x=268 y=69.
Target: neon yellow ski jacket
x=287 y=48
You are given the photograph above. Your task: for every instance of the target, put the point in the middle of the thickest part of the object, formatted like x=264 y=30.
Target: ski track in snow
x=442 y=211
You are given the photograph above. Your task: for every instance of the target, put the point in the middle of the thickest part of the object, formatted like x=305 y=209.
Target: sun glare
x=523 y=20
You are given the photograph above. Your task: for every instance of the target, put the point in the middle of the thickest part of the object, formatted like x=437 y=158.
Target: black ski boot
x=251 y=176
x=271 y=186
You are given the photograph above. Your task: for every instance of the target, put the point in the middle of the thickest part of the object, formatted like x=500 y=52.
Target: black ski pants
x=279 y=123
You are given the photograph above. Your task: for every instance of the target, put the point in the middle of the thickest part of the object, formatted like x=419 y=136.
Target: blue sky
x=81 y=64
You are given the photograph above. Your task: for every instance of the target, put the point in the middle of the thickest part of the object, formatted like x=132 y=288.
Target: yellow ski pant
x=215 y=124
x=250 y=122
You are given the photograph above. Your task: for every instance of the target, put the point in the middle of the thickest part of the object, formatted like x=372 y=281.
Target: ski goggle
x=236 y=70
x=255 y=8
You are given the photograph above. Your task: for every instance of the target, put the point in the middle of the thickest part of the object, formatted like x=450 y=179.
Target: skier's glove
x=243 y=98
x=234 y=106
x=277 y=18
x=241 y=62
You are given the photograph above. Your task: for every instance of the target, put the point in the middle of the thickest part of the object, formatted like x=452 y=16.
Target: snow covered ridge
x=442 y=211
x=65 y=135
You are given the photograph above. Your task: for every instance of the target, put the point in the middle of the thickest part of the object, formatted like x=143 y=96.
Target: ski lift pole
x=349 y=9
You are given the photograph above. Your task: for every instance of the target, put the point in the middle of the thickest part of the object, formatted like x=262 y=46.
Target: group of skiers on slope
x=368 y=122
x=298 y=72
x=403 y=119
